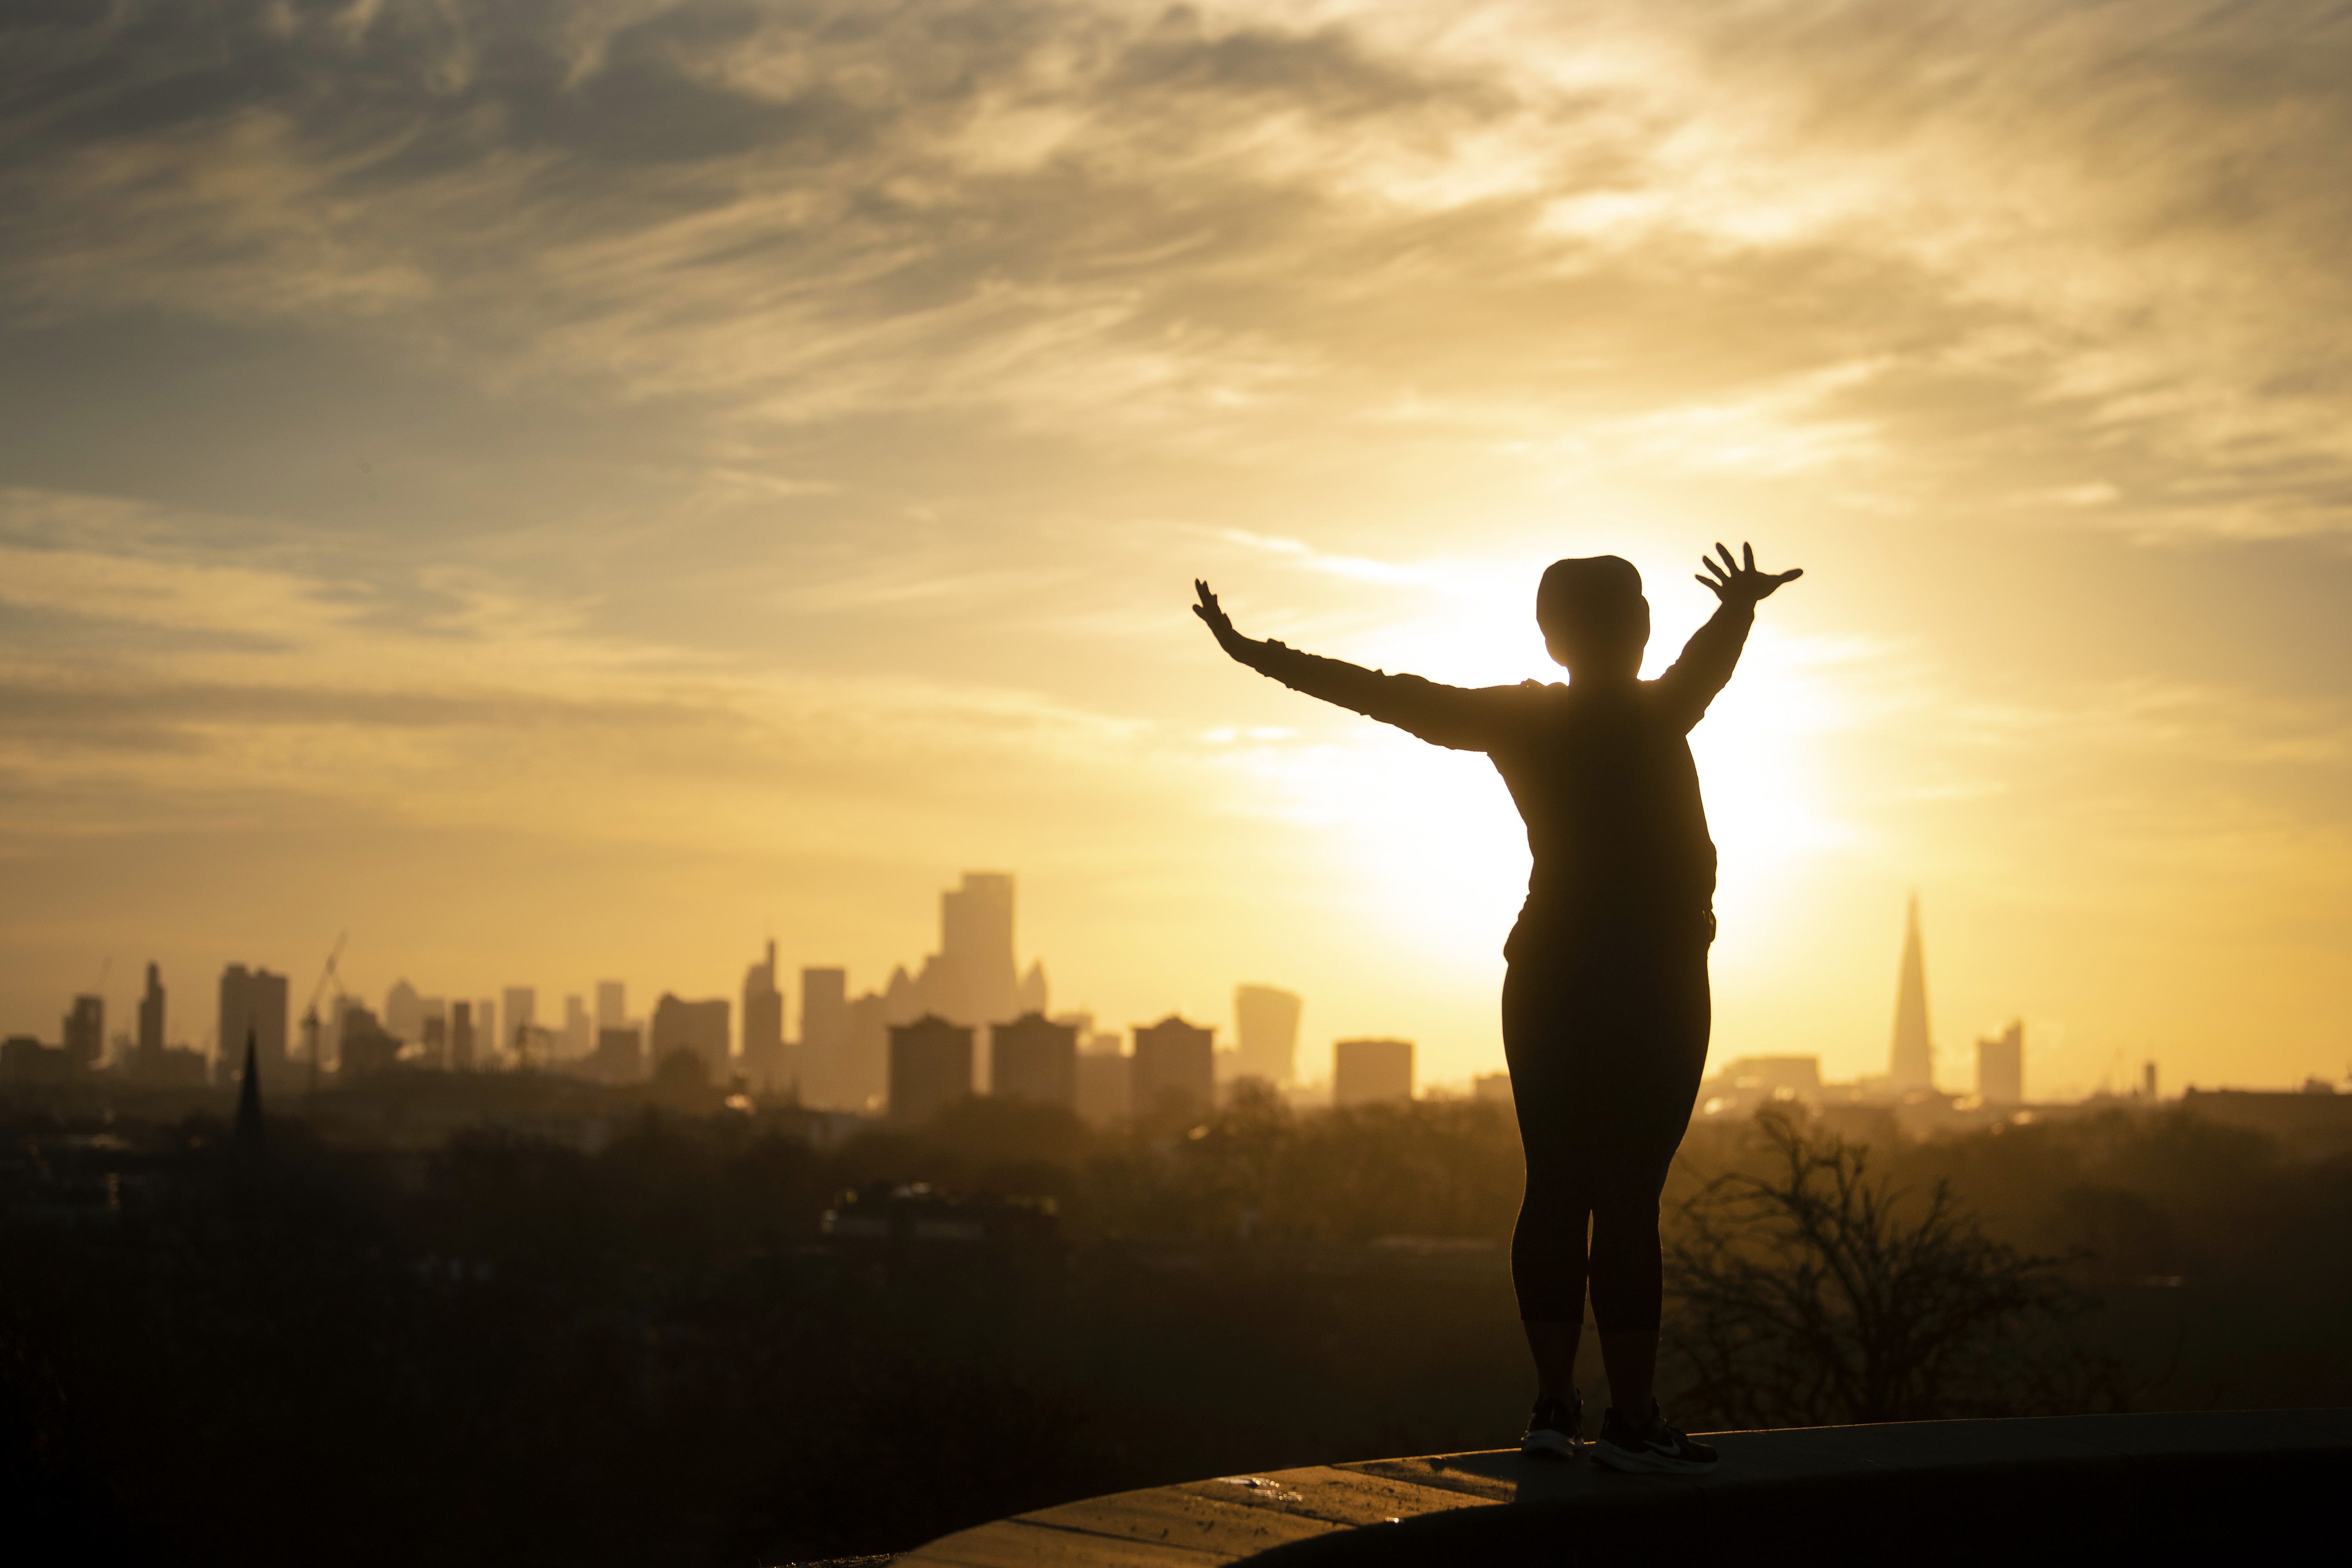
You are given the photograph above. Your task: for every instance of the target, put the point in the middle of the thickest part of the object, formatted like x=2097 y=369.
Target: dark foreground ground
x=506 y=1351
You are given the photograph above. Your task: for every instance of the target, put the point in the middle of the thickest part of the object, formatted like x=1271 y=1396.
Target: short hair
x=1585 y=587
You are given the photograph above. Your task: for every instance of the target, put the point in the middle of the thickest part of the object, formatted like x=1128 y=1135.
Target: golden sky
x=571 y=488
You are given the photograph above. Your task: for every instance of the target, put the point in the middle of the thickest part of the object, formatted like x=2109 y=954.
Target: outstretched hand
x=1738 y=582
x=1220 y=624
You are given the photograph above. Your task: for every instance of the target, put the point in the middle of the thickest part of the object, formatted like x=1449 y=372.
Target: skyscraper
x=972 y=979
x=763 y=1026
x=865 y=1056
x=612 y=1005
x=253 y=1003
x=366 y=1046
x=976 y=944
x=697 y=1026
x=1033 y=1060
x=1368 y=1072
x=521 y=1016
x=404 y=1012
x=461 y=1037
x=2000 y=1066
x=1266 y=1024
x=824 y=1074
x=150 y=1060
x=1175 y=1069
x=620 y=1056
x=1912 y=1063
x=579 y=1033
x=85 y=1032
x=931 y=1066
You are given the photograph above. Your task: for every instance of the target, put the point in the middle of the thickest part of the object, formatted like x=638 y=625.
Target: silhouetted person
x=1605 y=1003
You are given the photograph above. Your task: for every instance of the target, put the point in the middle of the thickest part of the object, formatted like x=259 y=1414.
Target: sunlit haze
x=573 y=490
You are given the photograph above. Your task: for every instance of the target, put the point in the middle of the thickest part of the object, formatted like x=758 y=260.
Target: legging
x=1606 y=1043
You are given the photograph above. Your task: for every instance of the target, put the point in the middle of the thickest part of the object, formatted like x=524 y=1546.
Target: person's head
x=1594 y=618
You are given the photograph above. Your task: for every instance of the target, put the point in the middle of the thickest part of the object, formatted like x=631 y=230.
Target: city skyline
x=971 y=982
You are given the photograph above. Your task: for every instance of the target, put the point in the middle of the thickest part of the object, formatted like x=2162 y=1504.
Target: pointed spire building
x=1912 y=1063
x=248 y=1100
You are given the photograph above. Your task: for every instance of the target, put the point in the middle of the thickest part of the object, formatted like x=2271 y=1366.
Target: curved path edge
x=1230 y=1518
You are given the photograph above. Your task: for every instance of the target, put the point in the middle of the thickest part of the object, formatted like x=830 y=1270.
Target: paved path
x=1201 y=1523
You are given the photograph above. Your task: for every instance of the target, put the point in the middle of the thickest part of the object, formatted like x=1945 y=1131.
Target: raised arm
x=1713 y=651
x=1455 y=716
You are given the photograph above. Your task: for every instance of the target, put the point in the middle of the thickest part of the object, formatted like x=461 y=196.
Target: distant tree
x=1810 y=1292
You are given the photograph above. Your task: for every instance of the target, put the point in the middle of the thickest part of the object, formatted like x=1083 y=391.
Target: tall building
x=404 y=1011
x=697 y=1026
x=253 y=1002
x=461 y=1037
x=612 y=1005
x=1175 y=1069
x=931 y=1066
x=1034 y=1059
x=973 y=978
x=764 y=1027
x=365 y=1046
x=150 y=1060
x=620 y=1056
x=579 y=1033
x=823 y=1058
x=2000 y=1066
x=902 y=1000
x=1371 y=1072
x=85 y=1032
x=1266 y=1027
x=520 y=1017
x=487 y=1052
x=865 y=1061
x=1912 y=1063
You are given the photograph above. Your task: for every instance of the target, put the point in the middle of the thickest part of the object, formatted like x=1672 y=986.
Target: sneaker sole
x=1643 y=1463
x=1549 y=1445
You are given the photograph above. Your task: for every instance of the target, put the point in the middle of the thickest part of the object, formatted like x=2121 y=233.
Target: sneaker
x=1654 y=1446
x=1552 y=1428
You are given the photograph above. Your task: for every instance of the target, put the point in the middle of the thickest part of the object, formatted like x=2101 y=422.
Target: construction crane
x=310 y=1013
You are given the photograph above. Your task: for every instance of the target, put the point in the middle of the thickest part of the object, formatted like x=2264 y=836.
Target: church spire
x=1912 y=1064
x=248 y=1101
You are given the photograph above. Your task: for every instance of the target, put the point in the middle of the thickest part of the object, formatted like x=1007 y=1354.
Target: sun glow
x=1432 y=851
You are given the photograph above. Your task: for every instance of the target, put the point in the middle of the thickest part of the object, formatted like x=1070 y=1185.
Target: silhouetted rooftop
x=2116 y=1487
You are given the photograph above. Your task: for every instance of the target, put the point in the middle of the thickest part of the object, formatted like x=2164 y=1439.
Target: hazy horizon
x=573 y=490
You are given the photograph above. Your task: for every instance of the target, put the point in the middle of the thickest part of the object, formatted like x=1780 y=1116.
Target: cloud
x=2049 y=227
x=204 y=681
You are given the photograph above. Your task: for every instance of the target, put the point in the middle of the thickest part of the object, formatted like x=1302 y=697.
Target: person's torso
x=1616 y=828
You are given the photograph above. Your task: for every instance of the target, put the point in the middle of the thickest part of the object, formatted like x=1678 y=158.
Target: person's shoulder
x=1530 y=696
x=1672 y=702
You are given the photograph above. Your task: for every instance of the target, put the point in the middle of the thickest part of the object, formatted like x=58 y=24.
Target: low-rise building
x=1034 y=1058
x=931 y=1066
x=1371 y=1072
x=1175 y=1071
